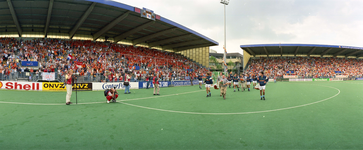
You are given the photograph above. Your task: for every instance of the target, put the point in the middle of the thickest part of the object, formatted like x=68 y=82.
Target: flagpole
x=225 y=2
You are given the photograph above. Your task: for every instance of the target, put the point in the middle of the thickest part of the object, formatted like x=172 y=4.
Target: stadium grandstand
x=102 y=38
x=304 y=60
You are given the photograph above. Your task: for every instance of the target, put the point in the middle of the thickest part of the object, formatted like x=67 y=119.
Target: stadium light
x=225 y=2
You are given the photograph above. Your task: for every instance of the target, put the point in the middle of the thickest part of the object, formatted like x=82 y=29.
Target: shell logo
x=1 y=84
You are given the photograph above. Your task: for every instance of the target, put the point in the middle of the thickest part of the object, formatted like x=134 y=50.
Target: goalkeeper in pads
x=111 y=94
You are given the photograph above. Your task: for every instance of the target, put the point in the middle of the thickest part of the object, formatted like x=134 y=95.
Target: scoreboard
x=147 y=13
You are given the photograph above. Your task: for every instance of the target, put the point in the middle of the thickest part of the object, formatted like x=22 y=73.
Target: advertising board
x=117 y=85
x=28 y=86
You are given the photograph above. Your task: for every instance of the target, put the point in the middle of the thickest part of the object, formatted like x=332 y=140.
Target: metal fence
x=34 y=77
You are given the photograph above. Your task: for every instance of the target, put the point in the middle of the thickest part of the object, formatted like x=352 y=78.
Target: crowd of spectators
x=93 y=61
x=307 y=67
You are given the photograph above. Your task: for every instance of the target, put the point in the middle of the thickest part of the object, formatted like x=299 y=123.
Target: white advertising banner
x=290 y=76
x=48 y=76
x=118 y=85
x=291 y=80
x=27 y=86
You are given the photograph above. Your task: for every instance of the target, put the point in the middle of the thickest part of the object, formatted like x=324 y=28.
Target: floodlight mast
x=225 y=2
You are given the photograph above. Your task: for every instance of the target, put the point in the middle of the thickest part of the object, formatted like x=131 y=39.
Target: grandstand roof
x=303 y=49
x=96 y=19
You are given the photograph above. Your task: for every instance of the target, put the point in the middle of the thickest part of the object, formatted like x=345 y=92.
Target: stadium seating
x=304 y=67
x=94 y=61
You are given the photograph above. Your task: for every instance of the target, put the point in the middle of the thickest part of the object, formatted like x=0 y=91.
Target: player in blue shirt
x=208 y=84
x=235 y=82
x=248 y=80
x=230 y=79
x=200 y=78
x=262 y=80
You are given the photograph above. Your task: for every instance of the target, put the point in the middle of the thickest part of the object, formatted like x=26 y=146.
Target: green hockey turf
x=300 y=115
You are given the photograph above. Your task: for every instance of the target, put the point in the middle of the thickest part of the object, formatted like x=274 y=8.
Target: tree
x=214 y=60
x=230 y=63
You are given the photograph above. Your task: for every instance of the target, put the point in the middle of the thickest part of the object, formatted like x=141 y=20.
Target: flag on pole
x=79 y=64
x=69 y=57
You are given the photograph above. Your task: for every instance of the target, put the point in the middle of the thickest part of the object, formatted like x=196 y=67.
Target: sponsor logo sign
x=184 y=83
x=117 y=85
x=292 y=80
x=336 y=79
x=53 y=86
x=28 y=86
x=61 y=86
x=82 y=87
x=29 y=63
x=151 y=85
x=322 y=79
x=359 y=79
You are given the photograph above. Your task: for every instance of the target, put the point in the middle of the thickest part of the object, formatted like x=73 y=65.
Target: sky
x=334 y=22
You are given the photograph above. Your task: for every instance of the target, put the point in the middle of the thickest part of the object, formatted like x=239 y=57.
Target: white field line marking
x=53 y=104
x=238 y=113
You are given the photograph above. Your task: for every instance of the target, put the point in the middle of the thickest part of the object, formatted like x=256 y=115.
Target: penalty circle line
x=238 y=113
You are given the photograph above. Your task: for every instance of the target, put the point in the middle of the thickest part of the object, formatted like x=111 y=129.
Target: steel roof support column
x=148 y=37
x=110 y=25
x=311 y=51
x=182 y=44
x=15 y=18
x=336 y=54
x=191 y=47
x=50 y=8
x=251 y=52
x=132 y=31
x=326 y=51
x=352 y=53
x=266 y=51
x=157 y=43
x=297 y=49
x=80 y=21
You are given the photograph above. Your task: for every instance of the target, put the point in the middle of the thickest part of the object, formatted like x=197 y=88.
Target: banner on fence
x=143 y=85
x=48 y=76
x=184 y=83
x=28 y=86
x=29 y=63
x=358 y=78
x=290 y=76
x=296 y=80
x=341 y=76
x=117 y=85
x=322 y=79
x=336 y=79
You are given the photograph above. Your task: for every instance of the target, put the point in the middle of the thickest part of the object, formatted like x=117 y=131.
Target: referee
x=219 y=79
x=224 y=83
x=69 y=86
